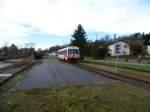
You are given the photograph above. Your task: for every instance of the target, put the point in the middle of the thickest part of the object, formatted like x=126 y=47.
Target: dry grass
x=111 y=97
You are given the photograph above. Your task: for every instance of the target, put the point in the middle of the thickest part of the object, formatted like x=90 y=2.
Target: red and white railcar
x=70 y=54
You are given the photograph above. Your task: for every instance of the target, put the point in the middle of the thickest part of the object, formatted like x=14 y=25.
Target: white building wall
x=148 y=49
x=111 y=50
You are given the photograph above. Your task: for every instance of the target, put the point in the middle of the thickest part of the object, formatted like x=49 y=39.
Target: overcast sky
x=50 y=22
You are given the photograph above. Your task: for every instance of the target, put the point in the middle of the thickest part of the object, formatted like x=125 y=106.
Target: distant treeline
x=13 y=52
x=99 y=47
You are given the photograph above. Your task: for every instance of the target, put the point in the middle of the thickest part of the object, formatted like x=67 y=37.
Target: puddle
x=5 y=75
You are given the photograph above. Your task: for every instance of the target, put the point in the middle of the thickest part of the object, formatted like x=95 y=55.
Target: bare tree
x=28 y=50
x=6 y=44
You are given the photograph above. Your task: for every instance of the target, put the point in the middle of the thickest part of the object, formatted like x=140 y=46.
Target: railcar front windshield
x=73 y=51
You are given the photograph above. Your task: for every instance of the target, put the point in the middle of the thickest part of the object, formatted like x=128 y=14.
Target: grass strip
x=143 y=68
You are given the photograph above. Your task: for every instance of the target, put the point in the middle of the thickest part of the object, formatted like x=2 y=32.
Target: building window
x=125 y=46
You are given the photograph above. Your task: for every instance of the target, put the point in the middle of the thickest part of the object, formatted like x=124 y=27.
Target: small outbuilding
x=119 y=48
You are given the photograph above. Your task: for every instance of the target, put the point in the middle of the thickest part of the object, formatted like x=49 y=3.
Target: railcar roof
x=70 y=47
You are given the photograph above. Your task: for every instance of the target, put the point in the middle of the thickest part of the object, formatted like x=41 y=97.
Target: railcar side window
x=76 y=51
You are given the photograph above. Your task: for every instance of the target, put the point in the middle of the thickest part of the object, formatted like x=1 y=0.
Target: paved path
x=54 y=73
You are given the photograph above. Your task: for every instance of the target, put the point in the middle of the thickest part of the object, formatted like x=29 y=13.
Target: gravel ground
x=56 y=73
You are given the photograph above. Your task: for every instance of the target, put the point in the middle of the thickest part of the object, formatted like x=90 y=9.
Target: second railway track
x=134 y=81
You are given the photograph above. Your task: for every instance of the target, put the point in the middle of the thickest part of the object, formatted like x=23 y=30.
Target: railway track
x=56 y=72
x=134 y=81
x=130 y=80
